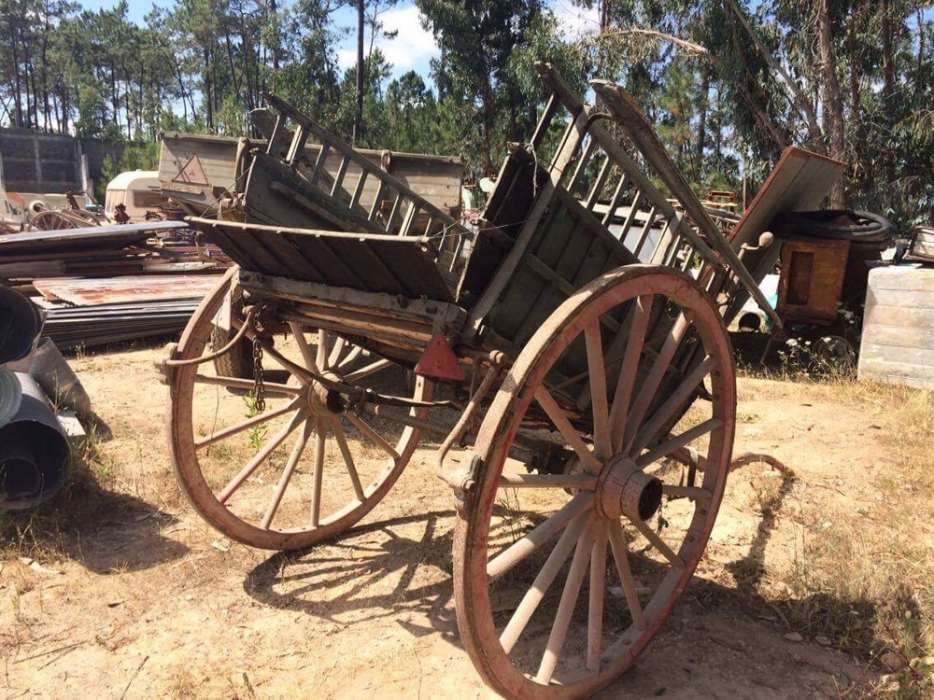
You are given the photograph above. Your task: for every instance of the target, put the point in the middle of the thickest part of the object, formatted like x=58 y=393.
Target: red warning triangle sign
x=439 y=361
x=192 y=173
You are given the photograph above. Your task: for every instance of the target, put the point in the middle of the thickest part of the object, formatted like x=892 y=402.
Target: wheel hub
x=624 y=489
x=324 y=400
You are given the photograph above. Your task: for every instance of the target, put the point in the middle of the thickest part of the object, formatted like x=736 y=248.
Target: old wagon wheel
x=625 y=520
x=290 y=467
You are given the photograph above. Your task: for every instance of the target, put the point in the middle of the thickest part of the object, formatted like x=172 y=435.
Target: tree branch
x=798 y=98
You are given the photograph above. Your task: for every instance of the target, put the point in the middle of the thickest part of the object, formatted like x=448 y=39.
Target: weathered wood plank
x=898 y=336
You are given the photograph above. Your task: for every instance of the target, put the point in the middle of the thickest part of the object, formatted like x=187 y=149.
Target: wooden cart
x=572 y=365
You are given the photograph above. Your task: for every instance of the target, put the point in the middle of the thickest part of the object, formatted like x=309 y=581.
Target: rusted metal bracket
x=166 y=367
x=462 y=477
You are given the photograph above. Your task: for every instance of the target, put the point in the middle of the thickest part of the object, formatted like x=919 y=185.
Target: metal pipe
x=20 y=323
x=34 y=451
x=11 y=395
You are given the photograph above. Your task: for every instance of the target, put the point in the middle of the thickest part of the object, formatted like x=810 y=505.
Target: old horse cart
x=570 y=360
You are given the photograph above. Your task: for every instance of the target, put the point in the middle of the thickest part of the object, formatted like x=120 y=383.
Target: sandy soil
x=122 y=591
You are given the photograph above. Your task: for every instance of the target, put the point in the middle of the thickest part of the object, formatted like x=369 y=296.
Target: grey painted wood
x=898 y=328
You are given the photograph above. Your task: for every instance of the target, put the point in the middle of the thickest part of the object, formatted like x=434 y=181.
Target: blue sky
x=413 y=48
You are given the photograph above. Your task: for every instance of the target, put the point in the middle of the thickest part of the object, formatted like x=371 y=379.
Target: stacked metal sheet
x=101 y=324
x=91 y=312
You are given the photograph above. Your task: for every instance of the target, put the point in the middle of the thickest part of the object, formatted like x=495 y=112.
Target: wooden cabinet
x=811 y=280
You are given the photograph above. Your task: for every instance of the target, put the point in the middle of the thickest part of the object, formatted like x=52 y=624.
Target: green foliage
x=717 y=103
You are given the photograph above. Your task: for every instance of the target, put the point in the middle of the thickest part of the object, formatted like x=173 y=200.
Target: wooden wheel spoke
x=676 y=401
x=295 y=369
x=568 y=431
x=628 y=583
x=658 y=543
x=597 y=595
x=583 y=482
x=348 y=459
x=543 y=580
x=569 y=595
x=318 y=474
x=539 y=535
x=364 y=428
x=354 y=353
x=271 y=388
x=654 y=378
x=290 y=465
x=244 y=425
x=677 y=442
x=261 y=457
x=366 y=370
x=321 y=354
x=303 y=347
x=597 y=370
x=336 y=351
x=627 y=373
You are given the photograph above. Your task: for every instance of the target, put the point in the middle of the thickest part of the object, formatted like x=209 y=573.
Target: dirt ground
x=816 y=585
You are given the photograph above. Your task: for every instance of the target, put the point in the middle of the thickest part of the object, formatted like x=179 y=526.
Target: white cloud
x=412 y=48
x=575 y=22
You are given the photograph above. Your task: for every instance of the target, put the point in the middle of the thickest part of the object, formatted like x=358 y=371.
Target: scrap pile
x=104 y=284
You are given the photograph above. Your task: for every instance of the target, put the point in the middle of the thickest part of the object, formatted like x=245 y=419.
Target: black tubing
x=34 y=452
x=20 y=323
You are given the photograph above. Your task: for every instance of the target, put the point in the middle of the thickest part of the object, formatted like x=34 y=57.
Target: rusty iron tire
x=477 y=602
x=195 y=342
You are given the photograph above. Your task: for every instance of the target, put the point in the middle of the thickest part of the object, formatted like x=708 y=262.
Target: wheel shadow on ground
x=105 y=531
x=360 y=578
x=380 y=570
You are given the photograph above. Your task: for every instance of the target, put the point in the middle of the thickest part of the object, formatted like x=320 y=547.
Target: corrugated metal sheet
x=128 y=289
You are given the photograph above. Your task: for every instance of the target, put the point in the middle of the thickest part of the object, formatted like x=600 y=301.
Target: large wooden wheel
x=302 y=468
x=630 y=376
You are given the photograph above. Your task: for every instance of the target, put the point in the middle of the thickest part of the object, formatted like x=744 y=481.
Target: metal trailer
x=582 y=402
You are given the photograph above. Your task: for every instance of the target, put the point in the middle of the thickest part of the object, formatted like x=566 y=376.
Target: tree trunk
x=275 y=48
x=718 y=128
x=888 y=83
x=863 y=169
x=208 y=99
x=358 y=113
x=702 y=121
x=17 y=87
x=114 y=103
x=833 y=100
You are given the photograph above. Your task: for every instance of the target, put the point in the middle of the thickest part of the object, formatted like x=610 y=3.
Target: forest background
x=727 y=83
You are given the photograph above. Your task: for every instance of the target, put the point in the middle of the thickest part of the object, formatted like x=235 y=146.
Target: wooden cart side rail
x=627 y=114
x=330 y=140
x=203 y=222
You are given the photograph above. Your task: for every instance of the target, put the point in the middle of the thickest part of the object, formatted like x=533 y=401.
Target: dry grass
x=863 y=570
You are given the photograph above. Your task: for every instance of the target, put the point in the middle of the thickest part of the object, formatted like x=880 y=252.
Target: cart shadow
x=361 y=578
x=381 y=570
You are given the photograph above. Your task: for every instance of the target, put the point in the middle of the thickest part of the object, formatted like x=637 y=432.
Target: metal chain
x=259 y=390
